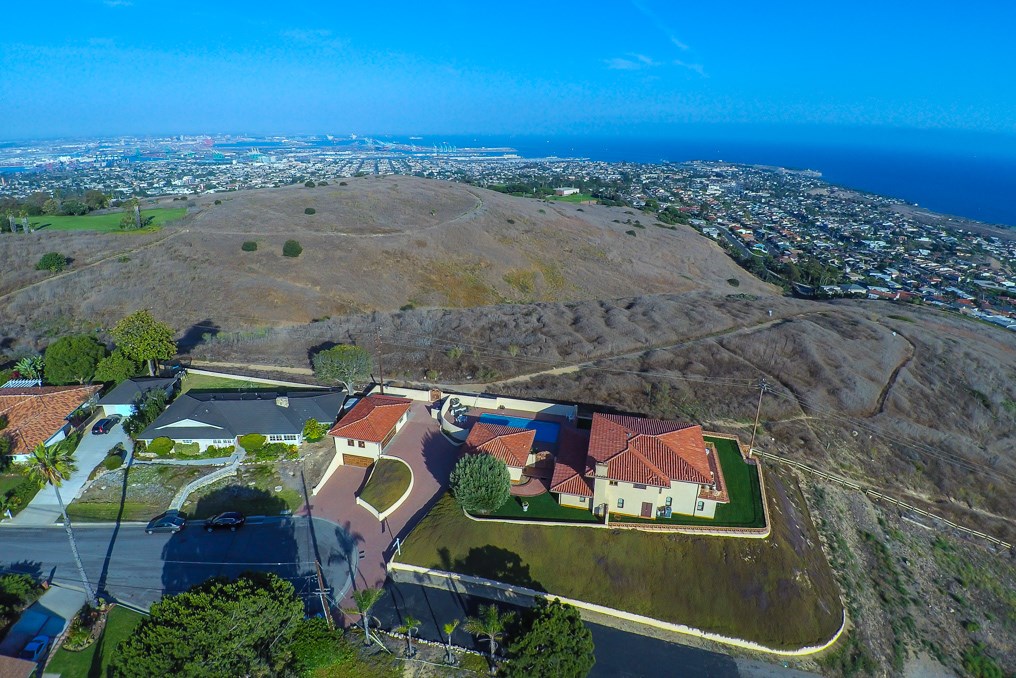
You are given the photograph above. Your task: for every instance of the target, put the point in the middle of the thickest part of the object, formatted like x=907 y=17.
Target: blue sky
x=648 y=68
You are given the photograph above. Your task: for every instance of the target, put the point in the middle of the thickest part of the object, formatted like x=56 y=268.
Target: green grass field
x=778 y=591
x=94 y=660
x=9 y=482
x=106 y=222
x=542 y=507
x=388 y=482
x=203 y=382
x=578 y=197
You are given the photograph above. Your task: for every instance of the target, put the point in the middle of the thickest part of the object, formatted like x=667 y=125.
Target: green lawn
x=578 y=197
x=388 y=482
x=106 y=222
x=542 y=507
x=745 y=507
x=778 y=591
x=93 y=661
x=203 y=382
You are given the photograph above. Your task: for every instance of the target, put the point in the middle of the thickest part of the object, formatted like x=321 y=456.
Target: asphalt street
x=137 y=568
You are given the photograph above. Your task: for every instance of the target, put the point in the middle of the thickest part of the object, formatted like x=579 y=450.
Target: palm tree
x=449 y=629
x=409 y=624
x=365 y=600
x=52 y=465
x=490 y=624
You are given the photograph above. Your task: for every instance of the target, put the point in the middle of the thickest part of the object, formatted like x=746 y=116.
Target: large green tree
x=115 y=367
x=345 y=364
x=52 y=465
x=480 y=483
x=557 y=645
x=144 y=339
x=73 y=359
x=219 y=628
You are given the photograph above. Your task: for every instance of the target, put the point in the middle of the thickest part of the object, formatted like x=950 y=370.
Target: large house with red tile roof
x=40 y=414
x=513 y=446
x=640 y=467
x=362 y=434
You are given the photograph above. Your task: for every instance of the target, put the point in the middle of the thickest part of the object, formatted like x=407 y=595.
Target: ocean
x=979 y=186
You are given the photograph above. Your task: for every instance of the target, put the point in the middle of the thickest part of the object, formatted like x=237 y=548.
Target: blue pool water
x=546 y=431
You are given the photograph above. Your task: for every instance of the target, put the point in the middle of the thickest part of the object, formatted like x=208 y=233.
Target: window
x=582 y=500
x=700 y=506
x=620 y=503
x=359 y=443
x=290 y=437
x=639 y=486
x=613 y=482
x=670 y=501
x=186 y=442
x=350 y=442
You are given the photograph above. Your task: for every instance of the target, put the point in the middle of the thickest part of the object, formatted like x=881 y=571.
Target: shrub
x=631 y=233
x=309 y=184
x=481 y=483
x=291 y=249
x=252 y=442
x=309 y=210
x=161 y=446
x=343 y=183
x=112 y=462
x=733 y=282
x=188 y=449
x=211 y=452
x=314 y=430
x=23 y=493
x=218 y=202
x=314 y=645
x=52 y=261
x=407 y=307
x=275 y=451
x=249 y=246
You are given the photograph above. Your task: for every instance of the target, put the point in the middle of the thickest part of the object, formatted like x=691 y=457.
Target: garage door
x=355 y=460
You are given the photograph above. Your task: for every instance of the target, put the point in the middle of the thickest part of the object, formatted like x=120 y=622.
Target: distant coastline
x=949 y=183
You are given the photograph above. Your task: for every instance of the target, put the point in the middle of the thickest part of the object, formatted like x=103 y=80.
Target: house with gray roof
x=219 y=418
x=125 y=396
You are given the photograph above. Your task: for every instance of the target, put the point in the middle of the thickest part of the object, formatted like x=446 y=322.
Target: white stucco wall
x=575 y=501
x=342 y=447
x=684 y=497
x=515 y=474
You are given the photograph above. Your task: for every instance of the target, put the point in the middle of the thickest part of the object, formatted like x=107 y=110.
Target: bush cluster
x=161 y=446
x=249 y=246
x=112 y=462
x=275 y=452
x=309 y=210
x=291 y=249
x=252 y=442
x=314 y=430
x=52 y=261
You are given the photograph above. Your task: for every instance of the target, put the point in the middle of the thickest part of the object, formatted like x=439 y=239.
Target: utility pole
x=762 y=387
x=322 y=592
x=380 y=368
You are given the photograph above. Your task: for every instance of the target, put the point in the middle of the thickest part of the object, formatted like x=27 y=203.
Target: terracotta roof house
x=513 y=446
x=41 y=414
x=363 y=433
x=219 y=418
x=641 y=467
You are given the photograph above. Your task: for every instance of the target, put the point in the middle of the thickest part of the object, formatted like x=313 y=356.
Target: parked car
x=105 y=425
x=170 y=521
x=230 y=520
x=35 y=650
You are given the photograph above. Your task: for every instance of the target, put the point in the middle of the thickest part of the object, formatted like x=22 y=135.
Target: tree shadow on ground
x=198 y=333
x=314 y=350
x=490 y=562
x=250 y=501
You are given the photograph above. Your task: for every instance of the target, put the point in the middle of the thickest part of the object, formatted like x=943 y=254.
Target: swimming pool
x=546 y=431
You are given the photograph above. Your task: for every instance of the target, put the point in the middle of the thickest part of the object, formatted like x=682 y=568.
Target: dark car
x=170 y=521
x=105 y=425
x=229 y=520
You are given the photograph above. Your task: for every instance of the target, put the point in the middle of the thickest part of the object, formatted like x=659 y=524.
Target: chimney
x=601 y=470
x=282 y=401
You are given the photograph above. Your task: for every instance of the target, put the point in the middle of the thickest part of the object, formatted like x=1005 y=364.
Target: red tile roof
x=509 y=444
x=34 y=414
x=649 y=451
x=571 y=465
x=371 y=419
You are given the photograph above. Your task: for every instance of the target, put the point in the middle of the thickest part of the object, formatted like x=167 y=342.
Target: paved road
x=44 y=509
x=618 y=654
x=138 y=568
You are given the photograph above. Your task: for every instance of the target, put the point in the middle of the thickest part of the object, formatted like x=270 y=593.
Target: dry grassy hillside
x=375 y=244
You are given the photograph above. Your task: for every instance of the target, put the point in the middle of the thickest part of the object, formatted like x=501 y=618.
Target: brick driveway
x=431 y=457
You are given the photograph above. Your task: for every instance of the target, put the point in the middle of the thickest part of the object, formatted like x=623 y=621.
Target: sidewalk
x=44 y=510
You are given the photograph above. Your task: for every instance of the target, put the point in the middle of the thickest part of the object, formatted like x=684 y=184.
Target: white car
x=36 y=648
